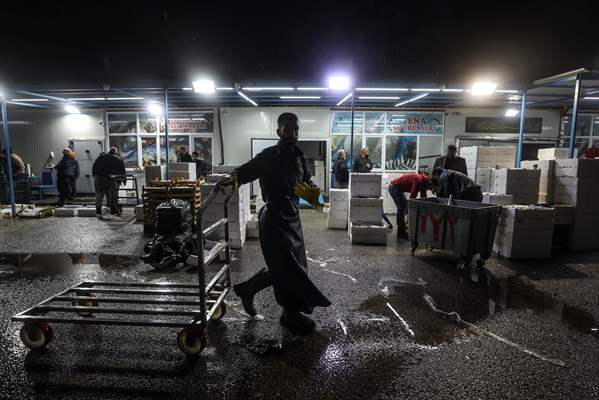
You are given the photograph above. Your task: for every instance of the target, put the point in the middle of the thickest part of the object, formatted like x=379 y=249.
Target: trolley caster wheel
x=190 y=343
x=414 y=247
x=85 y=303
x=220 y=312
x=36 y=336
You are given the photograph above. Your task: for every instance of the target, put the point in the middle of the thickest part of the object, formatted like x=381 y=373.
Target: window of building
x=587 y=131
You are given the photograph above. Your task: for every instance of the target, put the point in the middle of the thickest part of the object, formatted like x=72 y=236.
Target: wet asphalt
x=379 y=340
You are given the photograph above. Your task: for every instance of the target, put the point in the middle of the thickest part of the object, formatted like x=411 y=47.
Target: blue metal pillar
x=522 y=127
x=351 y=142
x=6 y=144
x=574 y=118
x=168 y=175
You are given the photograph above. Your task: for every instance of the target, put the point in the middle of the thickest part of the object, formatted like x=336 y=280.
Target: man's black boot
x=297 y=322
x=248 y=289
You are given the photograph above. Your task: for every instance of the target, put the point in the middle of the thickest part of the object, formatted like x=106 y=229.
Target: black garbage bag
x=173 y=217
x=164 y=252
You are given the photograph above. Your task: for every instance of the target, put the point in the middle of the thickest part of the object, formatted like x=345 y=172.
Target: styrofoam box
x=65 y=212
x=498 y=199
x=524 y=232
x=336 y=223
x=182 y=166
x=86 y=212
x=365 y=185
x=523 y=184
x=139 y=212
x=546 y=184
x=555 y=153
x=484 y=177
x=155 y=172
x=487 y=157
x=564 y=214
x=223 y=169
x=368 y=234
x=366 y=211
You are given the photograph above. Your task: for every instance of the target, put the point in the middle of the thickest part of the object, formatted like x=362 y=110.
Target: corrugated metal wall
x=34 y=134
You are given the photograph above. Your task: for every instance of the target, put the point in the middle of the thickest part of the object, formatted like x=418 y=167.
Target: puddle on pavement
x=409 y=313
x=46 y=264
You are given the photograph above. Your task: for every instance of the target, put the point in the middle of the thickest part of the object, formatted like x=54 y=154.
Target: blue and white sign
x=415 y=123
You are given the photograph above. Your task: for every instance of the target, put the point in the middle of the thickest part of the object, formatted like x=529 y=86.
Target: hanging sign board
x=502 y=125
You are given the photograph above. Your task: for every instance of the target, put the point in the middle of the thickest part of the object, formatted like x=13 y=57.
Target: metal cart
x=134 y=304
x=466 y=228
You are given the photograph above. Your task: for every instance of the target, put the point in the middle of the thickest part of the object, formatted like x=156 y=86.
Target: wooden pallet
x=168 y=190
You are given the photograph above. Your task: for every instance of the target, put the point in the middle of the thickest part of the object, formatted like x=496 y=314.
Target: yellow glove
x=232 y=181
x=308 y=193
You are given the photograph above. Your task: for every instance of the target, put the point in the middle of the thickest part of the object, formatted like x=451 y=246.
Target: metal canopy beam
x=7 y=154
x=522 y=127
x=574 y=119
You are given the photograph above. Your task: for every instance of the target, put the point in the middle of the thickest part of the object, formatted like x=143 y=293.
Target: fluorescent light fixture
x=483 y=88
x=339 y=82
x=425 y=90
x=71 y=109
x=224 y=88
x=379 y=97
x=30 y=100
x=86 y=98
x=506 y=91
x=452 y=90
x=343 y=100
x=257 y=89
x=585 y=98
x=366 y=89
x=154 y=108
x=124 y=98
x=299 y=97
x=312 y=88
x=239 y=92
x=411 y=100
x=187 y=88
x=204 y=86
x=511 y=112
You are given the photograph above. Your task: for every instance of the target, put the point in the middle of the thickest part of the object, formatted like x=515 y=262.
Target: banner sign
x=502 y=125
x=415 y=123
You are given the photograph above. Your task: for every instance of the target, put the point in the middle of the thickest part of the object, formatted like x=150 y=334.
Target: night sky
x=130 y=43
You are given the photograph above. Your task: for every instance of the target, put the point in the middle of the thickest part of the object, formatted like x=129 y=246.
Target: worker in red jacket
x=413 y=184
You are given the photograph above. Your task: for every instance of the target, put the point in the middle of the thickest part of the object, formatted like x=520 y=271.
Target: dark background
x=158 y=43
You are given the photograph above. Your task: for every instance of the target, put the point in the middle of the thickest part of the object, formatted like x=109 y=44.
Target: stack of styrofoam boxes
x=498 y=199
x=182 y=170
x=155 y=173
x=319 y=176
x=577 y=183
x=239 y=211
x=524 y=232
x=223 y=169
x=338 y=208
x=366 y=209
x=554 y=153
x=484 y=177
x=547 y=168
x=523 y=184
x=487 y=157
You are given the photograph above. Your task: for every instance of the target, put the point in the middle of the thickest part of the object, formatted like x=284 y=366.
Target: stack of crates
x=366 y=210
x=547 y=168
x=338 y=208
x=522 y=184
x=487 y=157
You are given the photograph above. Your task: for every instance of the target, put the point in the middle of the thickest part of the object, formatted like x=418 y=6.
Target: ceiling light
x=483 y=88
x=590 y=98
x=239 y=92
x=86 y=99
x=257 y=89
x=30 y=100
x=71 y=109
x=506 y=91
x=312 y=88
x=379 y=97
x=154 y=108
x=204 y=86
x=452 y=90
x=124 y=98
x=339 y=82
x=187 y=88
x=424 y=90
x=343 y=100
x=412 y=99
x=224 y=88
x=382 y=89
x=511 y=112
x=299 y=97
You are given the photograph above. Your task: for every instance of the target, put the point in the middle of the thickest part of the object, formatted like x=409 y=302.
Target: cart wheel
x=219 y=312
x=36 y=336
x=85 y=303
x=190 y=343
x=414 y=247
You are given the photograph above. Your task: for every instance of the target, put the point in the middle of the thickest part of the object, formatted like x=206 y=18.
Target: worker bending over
x=447 y=183
x=284 y=178
x=413 y=184
x=107 y=170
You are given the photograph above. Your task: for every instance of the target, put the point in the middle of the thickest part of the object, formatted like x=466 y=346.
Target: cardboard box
x=554 y=153
x=487 y=157
x=523 y=184
x=498 y=199
x=484 y=177
x=524 y=232
x=546 y=181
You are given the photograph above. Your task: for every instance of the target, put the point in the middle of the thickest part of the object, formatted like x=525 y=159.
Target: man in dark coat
x=183 y=155
x=446 y=182
x=283 y=177
x=452 y=161
x=362 y=163
x=341 y=171
x=202 y=167
x=108 y=170
x=67 y=173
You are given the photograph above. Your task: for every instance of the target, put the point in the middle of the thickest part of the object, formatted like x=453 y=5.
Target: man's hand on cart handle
x=309 y=193
x=229 y=181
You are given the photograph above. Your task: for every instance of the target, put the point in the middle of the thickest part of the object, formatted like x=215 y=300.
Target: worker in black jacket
x=362 y=163
x=452 y=161
x=341 y=171
x=67 y=173
x=283 y=179
x=446 y=182
x=109 y=172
